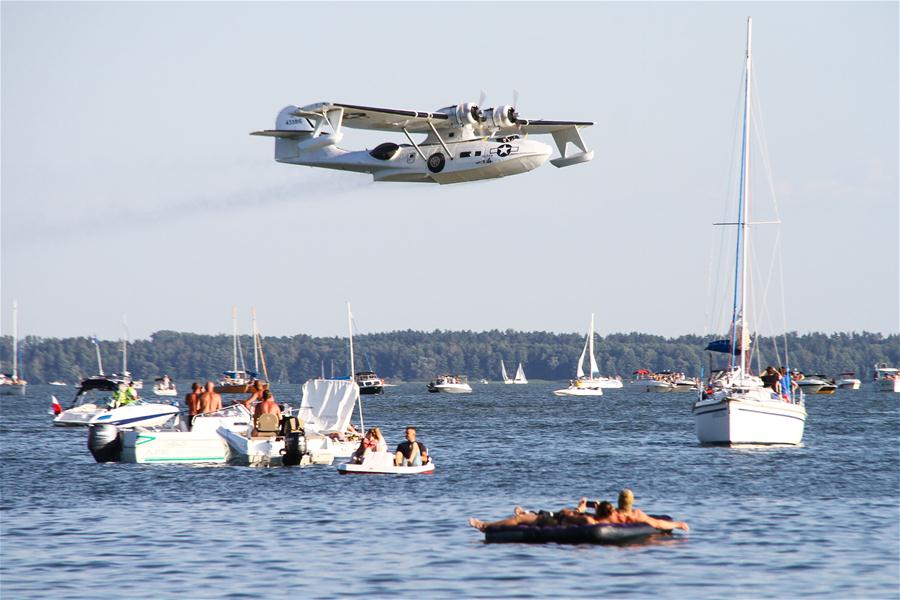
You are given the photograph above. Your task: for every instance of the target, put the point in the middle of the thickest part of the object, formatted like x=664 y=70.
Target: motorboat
x=85 y=409
x=270 y=442
x=164 y=386
x=579 y=387
x=382 y=463
x=817 y=384
x=369 y=383
x=10 y=383
x=735 y=407
x=60 y=383
x=848 y=381
x=811 y=384
x=887 y=379
x=665 y=381
x=450 y=384
x=201 y=444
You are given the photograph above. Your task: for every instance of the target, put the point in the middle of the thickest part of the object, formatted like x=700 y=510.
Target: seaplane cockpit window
x=385 y=151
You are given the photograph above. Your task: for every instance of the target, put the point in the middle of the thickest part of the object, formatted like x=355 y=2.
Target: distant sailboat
x=503 y=373
x=13 y=384
x=520 y=375
x=593 y=384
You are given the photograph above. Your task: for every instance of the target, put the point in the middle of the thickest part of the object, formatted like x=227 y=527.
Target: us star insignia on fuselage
x=462 y=142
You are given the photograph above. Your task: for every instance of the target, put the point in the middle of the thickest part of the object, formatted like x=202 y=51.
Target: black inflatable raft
x=572 y=534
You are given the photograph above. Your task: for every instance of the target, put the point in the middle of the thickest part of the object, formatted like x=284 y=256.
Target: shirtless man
x=192 y=400
x=210 y=401
x=267 y=406
x=255 y=395
x=540 y=518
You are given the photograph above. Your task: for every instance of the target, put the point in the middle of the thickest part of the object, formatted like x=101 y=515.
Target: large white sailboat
x=591 y=384
x=735 y=407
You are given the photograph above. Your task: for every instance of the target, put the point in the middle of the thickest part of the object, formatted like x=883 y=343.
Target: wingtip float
x=462 y=142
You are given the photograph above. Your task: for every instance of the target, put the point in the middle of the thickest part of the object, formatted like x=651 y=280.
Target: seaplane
x=462 y=142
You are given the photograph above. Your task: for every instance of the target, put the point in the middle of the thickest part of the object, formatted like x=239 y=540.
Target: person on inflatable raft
x=605 y=513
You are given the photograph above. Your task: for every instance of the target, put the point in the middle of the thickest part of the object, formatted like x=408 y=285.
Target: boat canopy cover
x=328 y=403
x=723 y=346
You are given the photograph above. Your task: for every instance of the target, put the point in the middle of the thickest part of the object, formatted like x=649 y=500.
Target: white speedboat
x=735 y=407
x=382 y=463
x=164 y=386
x=88 y=409
x=579 y=387
x=58 y=383
x=202 y=444
x=450 y=384
x=811 y=384
x=369 y=383
x=848 y=381
x=887 y=379
x=592 y=384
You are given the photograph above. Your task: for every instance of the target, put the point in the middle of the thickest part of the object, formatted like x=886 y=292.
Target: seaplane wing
x=391 y=119
x=462 y=142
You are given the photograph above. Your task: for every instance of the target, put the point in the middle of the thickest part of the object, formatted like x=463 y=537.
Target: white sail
x=328 y=404
x=506 y=378
x=595 y=371
x=579 y=372
x=520 y=375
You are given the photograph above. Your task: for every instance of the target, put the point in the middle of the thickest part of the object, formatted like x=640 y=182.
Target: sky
x=130 y=185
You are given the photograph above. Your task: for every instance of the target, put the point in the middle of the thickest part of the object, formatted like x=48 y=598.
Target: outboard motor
x=105 y=442
x=294 y=449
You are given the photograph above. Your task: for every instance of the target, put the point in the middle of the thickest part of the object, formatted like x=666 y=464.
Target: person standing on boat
x=411 y=452
x=192 y=400
x=120 y=396
x=210 y=401
x=255 y=396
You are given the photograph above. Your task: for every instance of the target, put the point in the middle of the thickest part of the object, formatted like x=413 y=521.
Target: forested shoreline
x=419 y=355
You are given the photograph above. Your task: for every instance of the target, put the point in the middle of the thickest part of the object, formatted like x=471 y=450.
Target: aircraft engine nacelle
x=504 y=116
x=469 y=114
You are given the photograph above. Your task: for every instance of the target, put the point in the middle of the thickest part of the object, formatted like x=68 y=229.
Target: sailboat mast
x=255 y=341
x=745 y=201
x=362 y=426
x=124 y=345
x=234 y=335
x=15 y=332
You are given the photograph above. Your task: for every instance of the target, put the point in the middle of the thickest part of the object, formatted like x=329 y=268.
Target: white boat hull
x=382 y=463
x=453 y=388
x=173 y=447
x=888 y=385
x=572 y=391
x=848 y=384
x=157 y=392
x=132 y=415
x=733 y=421
x=657 y=386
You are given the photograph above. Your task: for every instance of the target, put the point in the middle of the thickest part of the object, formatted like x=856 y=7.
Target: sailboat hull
x=734 y=421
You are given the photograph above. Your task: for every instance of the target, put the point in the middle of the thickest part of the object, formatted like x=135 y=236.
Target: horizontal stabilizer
x=282 y=133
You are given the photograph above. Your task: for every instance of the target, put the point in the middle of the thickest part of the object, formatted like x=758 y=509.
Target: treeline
x=418 y=355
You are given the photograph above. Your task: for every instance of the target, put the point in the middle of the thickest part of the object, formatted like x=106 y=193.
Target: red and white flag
x=55 y=407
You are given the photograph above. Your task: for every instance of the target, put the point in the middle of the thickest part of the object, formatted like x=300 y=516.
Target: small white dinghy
x=382 y=463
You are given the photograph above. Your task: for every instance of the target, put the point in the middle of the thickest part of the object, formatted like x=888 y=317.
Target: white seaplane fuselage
x=472 y=159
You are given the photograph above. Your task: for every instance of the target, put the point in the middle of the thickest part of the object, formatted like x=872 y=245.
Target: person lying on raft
x=605 y=514
x=543 y=518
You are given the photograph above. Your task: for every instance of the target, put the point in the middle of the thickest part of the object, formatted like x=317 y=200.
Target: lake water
x=817 y=521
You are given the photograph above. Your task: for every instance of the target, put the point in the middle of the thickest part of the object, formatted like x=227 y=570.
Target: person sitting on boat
x=119 y=396
x=367 y=445
x=210 y=401
x=380 y=442
x=771 y=378
x=411 y=452
x=267 y=406
x=131 y=395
